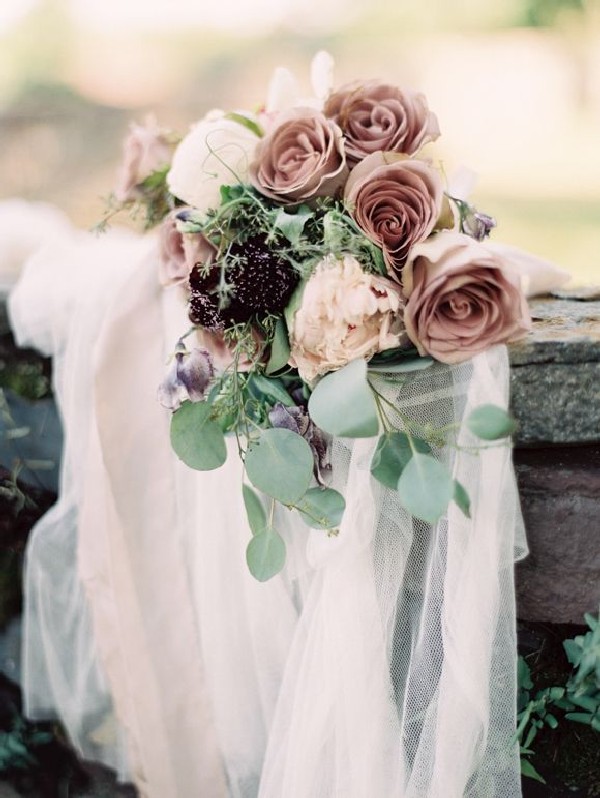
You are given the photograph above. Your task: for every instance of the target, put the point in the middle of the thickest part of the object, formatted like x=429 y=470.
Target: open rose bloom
x=461 y=298
x=330 y=188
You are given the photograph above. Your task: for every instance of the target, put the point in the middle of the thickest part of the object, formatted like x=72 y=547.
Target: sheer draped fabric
x=380 y=663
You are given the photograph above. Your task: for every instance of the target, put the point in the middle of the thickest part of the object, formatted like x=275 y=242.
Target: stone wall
x=555 y=387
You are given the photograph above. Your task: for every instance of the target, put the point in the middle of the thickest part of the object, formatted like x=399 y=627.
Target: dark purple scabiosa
x=258 y=282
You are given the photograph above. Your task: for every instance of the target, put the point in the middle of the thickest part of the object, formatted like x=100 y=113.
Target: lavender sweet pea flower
x=188 y=377
x=297 y=420
x=478 y=225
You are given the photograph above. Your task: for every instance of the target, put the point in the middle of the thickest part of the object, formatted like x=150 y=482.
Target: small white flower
x=216 y=152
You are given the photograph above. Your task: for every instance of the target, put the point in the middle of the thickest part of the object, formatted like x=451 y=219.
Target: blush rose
x=376 y=116
x=396 y=201
x=146 y=149
x=301 y=158
x=179 y=252
x=460 y=298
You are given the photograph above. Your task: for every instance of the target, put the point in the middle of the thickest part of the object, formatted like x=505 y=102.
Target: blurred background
x=515 y=85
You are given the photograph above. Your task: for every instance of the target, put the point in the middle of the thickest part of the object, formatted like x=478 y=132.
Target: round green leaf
x=257 y=518
x=280 y=464
x=196 y=439
x=265 y=554
x=270 y=388
x=490 y=422
x=321 y=508
x=342 y=403
x=417 y=364
x=461 y=497
x=425 y=488
x=392 y=455
x=280 y=348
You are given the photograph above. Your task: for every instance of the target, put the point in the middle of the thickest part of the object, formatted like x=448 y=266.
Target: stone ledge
x=555 y=374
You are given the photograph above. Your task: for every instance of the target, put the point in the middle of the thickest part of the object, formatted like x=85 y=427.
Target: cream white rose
x=345 y=314
x=216 y=152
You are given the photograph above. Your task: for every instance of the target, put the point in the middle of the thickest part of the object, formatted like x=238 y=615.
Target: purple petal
x=195 y=370
x=281 y=418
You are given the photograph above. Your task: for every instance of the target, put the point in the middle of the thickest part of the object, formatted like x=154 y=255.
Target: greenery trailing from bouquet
x=321 y=254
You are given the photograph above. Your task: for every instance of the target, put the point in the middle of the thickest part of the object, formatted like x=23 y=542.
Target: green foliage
x=342 y=403
x=265 y=554
x=280 y=348
x=280 y=463
x=17 y=746
x=292 y=224
x=425 y=487
x=403 y=366
x=257 y=518
x=461 y=497
x=196 y=438
x=490 y=422
x=578 y=700
x=321 y=508
x=583 y=688
x=393 y=452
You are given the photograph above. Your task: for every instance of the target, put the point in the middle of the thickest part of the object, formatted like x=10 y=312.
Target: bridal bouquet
x=321 y=254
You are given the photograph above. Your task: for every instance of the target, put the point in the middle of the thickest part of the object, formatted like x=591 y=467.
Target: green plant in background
x=18 y=745
x=583 y=688
x=578 y=700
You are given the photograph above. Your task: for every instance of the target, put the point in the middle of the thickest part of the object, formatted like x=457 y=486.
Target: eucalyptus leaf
x=265 y=554
x=196 y=438
x=322 y=508
x=490 y=422
x=246 y=122
x=342 y=403
x=280 y=464
x=280 y=348
x=461 y=497
x=294 y=303
x=391 y=456
x=418 y=364
x=292 y=224
x=425 y=487
x=270 y=387
x=396 y=355
x=257 y=518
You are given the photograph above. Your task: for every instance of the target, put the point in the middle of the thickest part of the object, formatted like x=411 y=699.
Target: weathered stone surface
x=560 y=495
x=555 y=374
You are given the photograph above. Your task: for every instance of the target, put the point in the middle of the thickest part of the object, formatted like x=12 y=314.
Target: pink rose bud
x=145 y=150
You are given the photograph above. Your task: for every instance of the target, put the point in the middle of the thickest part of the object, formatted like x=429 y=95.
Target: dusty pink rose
x=145 y=150
x=345 y=314
x=180 y=252
x=460 y=298
x=301 y=158
x=396 y=201
x=375 y=116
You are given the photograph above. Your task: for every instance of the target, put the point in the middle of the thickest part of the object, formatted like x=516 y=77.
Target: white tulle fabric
x=379 y=664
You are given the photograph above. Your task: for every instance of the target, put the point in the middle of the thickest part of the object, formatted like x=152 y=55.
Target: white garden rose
x=345 y=314
x=216 y=152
